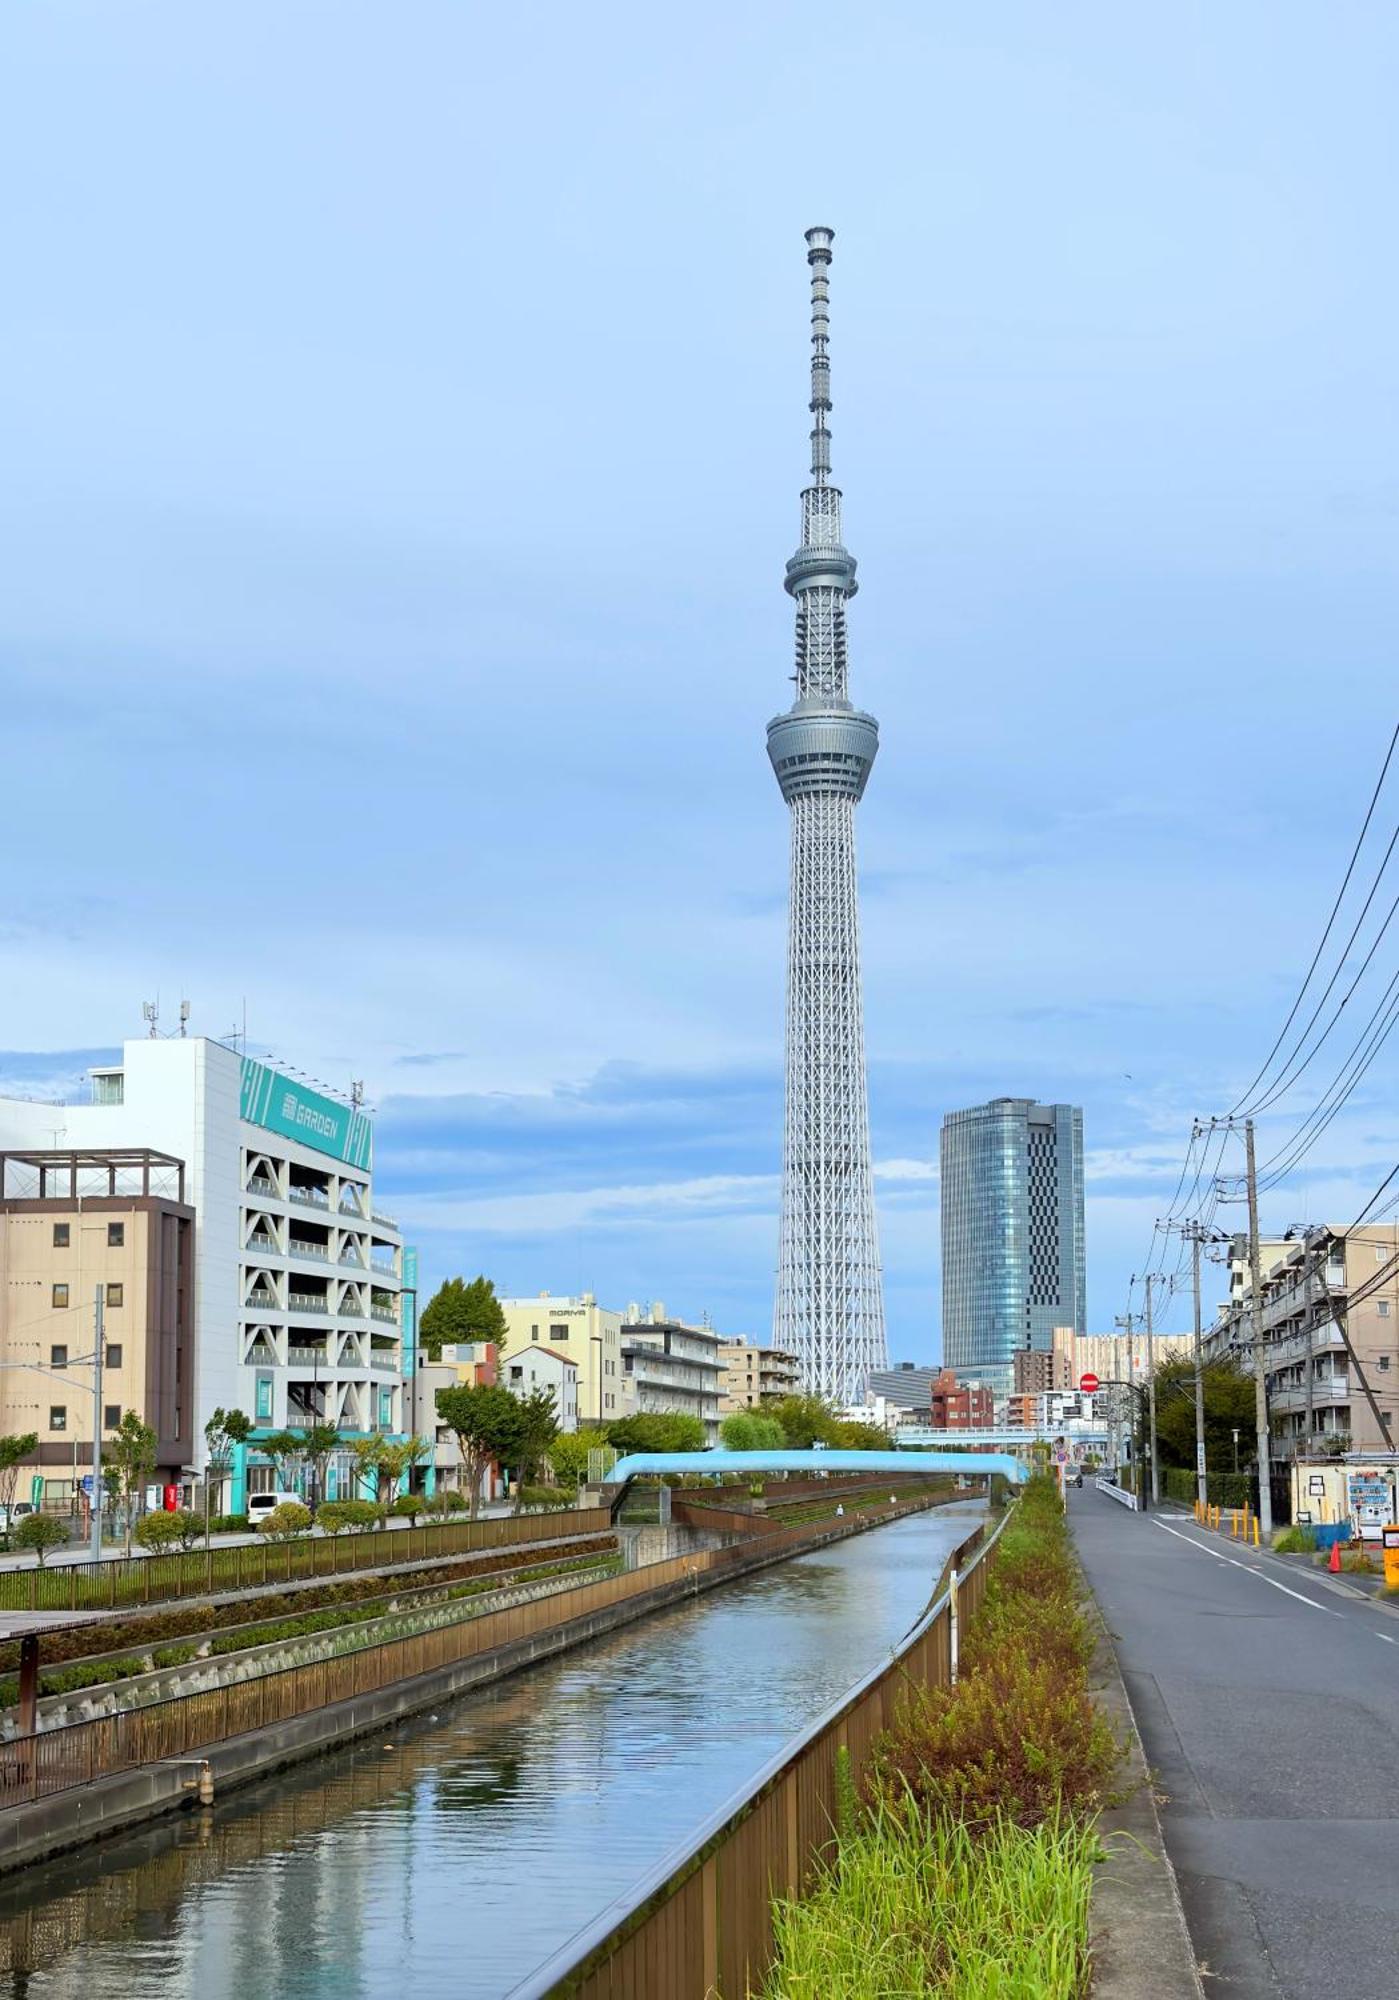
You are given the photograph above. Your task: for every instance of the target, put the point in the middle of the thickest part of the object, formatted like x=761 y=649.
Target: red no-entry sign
x=1088 y=1384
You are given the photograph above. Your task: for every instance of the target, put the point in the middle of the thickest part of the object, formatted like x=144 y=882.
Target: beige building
x=586 y=1333
x=749 y=1375
x=1321 y=1276
x=74 y=1225
x=1111 y=1357
x=670 y=1369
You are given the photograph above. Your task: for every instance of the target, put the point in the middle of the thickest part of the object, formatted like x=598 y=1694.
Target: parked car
x=260 y=1505
x=10 y=1517
x=1074 y=1475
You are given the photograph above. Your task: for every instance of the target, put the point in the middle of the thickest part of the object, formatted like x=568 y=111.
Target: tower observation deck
x=830 y=1306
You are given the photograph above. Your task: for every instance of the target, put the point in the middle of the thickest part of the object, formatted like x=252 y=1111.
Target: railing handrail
x=680 y=1863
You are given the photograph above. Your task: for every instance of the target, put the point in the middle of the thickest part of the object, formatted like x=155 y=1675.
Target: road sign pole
x=97 y=1360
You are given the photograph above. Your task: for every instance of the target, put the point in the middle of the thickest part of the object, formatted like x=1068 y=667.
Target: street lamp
x=1236 y=1451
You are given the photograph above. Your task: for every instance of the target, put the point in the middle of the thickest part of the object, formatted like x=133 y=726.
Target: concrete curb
x=1141 y=1947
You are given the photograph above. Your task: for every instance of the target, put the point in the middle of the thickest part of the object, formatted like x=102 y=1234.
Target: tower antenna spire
x=829 y=1308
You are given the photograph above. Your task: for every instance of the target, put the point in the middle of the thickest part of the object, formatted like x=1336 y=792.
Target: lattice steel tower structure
x=830 y=1302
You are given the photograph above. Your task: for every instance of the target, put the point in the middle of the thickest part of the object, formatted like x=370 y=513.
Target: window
x=114 y=1295
x=58 y=1357
x=60 y=1236
x=263 y=1405
x=116 y=1235
x=58 y=1416
x=558 y=1333
x=112 y=1359
x=1384 y=1308
x=60 y=1296
x=111 y=1416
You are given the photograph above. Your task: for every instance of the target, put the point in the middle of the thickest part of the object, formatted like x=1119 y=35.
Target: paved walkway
x=1268 y=1705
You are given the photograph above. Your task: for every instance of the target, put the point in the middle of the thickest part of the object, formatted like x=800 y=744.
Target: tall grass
x=968 y=1869
x=917 y=1904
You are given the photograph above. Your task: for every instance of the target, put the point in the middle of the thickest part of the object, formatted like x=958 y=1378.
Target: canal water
x=455 y=1855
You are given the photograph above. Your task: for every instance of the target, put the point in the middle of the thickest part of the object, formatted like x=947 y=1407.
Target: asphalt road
x=1268 y=1705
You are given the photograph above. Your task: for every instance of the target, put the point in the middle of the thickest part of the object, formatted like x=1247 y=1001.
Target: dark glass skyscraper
x=1012 y=1233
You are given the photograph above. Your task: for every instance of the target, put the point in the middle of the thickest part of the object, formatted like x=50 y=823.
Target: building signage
x=273 y=1101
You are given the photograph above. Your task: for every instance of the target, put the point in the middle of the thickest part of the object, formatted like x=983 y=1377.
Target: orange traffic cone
x=1335 y=1563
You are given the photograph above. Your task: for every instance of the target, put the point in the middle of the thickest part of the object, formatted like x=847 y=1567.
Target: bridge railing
x=700 y=1925
x=1116 y=1492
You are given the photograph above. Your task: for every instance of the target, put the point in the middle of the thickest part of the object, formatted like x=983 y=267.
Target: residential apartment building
x=297 y=1275
x=1112 y=1357
x=89 y=1236
x=589 y=1334
x=959 y=1406
x=671 y=1369
x=1326 y=1275
x=1012 y=1233
x=751 y=1375
x=1037 y=1371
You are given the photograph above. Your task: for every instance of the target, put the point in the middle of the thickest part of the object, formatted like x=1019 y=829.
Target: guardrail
x=700 y=1924
x=126 y=1580
x=36 y=1767
x=1115 y=1492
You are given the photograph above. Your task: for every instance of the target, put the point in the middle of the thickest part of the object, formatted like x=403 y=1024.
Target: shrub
x=332 y=1516
x=447 y=1500
x=408 y=1506
x=357 y=1515
x=178 y=1528
x=172 y=1656
x=286 y=1522
x=1295 y=1542
x=40 y=1532
x=228 y=1524
x=544 y=1496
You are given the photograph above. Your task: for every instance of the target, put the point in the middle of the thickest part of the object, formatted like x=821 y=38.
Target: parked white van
x=262 y=1504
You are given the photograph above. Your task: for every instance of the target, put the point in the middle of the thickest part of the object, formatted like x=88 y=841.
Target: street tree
x=462 y=1312
x=287 y=1451
x=131 y=1453
x=40 y=1532
x=318 y=1441
x=805 y=1420
x=568 y=1454
x=224 y=1431
x=1229 y=1406
x=659 y=1431
x=13 y=1452
x=485 y=1420
x=538 y=1427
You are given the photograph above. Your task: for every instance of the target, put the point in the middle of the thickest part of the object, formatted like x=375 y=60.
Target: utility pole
x=95 y=1512
x=1151 y=1393
x=1127 y=1321
x=1201 y=1477
x=1307 y=1323
x=1260 y=1380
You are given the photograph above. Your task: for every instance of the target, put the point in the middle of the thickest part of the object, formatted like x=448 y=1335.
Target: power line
x=1330 y=921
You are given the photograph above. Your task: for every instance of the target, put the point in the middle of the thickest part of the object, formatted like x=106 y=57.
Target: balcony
x=388 y=1221
x=384 y=1364
x=307 y=1302
x=383 y=1268
x=309 y=1197
x=385 y=1313
x=259 y=1184
x=261 y=1302
x=1328 y=1392
x=306 y=1357
x=299 y=1247
x=263 y=1246
x=352 y=1257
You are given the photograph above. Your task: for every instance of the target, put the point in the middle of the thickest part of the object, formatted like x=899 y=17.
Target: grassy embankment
x=963 y=1866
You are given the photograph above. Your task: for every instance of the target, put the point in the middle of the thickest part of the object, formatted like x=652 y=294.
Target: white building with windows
x=297 y=1278
x=538 y=1367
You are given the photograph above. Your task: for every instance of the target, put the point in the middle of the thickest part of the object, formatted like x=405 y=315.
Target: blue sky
x=404 y=418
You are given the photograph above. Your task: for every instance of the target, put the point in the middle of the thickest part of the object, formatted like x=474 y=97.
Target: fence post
x=952 y=1625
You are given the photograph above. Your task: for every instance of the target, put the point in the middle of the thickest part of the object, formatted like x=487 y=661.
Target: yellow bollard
x=1256 y=1542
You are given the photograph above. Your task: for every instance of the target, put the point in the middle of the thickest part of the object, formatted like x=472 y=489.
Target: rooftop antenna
x=184 y=1017
x=357 y=1094
x=150 y=1014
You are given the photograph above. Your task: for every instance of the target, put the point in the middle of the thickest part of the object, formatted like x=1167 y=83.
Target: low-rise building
x=751 y=1375
x=960 y=1406
x=671 y=1369
x=539 y=1367
x=87 y=1238
x=589 y=1334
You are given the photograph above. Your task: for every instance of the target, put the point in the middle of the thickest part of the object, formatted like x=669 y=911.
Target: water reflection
x=460 y=1854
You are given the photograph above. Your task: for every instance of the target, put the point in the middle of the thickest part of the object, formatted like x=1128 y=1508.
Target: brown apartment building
x=958 y=1407
x=750 y=1375
x=73 y=1225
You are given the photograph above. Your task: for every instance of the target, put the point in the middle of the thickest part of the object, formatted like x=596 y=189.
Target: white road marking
x=1387 y=1640
x=1263 y=1576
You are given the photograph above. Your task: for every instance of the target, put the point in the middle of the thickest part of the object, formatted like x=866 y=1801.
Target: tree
x=157 y=1532
x=485 y=1420
x=657 y=1431
x=851 y=1435
x=224 y=1430
x=463 y=1312
x=805 y=1420
x=538 y=1427
x=13 y=1452
x=568 y=1454
x=745 y=1430
x=1229 y=1407
x=317 y=1444
x=40 y=1532
x=131 y=1454
x=286 y=1522
x=287 y=1451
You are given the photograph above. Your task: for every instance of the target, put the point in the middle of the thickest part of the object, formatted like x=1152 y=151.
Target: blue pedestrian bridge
x=897 y=1464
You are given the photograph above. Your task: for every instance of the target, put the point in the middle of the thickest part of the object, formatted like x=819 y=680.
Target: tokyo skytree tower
x=830 y=1302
